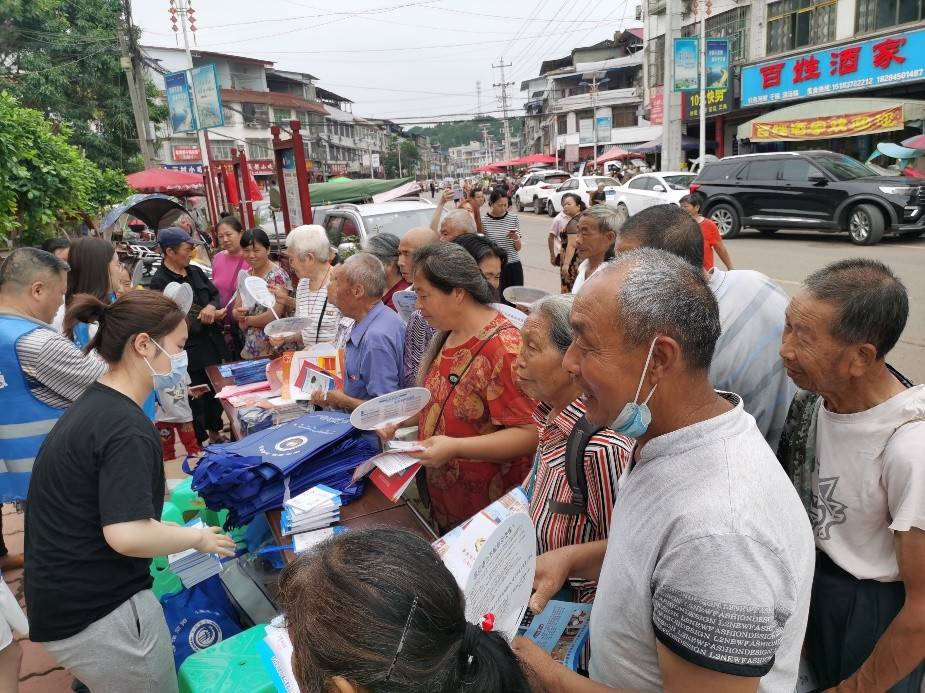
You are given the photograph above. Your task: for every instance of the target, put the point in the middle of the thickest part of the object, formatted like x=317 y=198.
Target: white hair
x=310 y=238
x=461 y=219
x=366 y=270
x=555 y=309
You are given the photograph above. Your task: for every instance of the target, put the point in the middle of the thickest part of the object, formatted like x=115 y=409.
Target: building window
x=624 y=117
x=260 y=149
x=221 y=149
x=282 y=116
x=257 y=113
x=797 y=23
x=879 y=14
x=655 y=61
x=732 y=25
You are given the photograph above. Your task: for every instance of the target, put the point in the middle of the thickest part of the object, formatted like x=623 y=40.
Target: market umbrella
x=148 y=208
x=916 y=142
x=162 y=180
x=613 y=154
x=535 y=159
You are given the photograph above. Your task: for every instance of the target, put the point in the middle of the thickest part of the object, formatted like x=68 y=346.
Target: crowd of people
x=752 y=487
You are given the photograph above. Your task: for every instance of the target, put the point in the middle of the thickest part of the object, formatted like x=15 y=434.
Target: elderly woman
x=477 y=430
x=310 y=255
x=597 y=232
x=385 y=247
x=546 y=337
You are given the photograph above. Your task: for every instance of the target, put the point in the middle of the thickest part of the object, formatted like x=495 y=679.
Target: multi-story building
x=822 y=74
x=468 y=156
x=587 y=100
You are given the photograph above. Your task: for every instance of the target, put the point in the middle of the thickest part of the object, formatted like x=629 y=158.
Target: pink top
x=225 y=274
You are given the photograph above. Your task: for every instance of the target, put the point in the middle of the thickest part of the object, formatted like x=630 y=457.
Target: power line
x=322 y=13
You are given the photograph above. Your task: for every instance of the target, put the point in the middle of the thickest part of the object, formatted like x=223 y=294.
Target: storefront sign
x=829 y=126
x=719 y=101
x=179 y=102
x=686 y=64
x=261 y=167
x=603 y=124
x=586 y=131
x=187 y=153
x=185 y=168
x=880 y=62
x=208 y=96
x=291 y=183
x=657 y=105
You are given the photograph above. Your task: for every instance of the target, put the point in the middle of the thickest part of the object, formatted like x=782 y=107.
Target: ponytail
x=488 y=663
x=133 y=313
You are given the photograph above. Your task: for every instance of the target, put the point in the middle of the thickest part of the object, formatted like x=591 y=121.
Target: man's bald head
x=410 y=243
x=456 y=223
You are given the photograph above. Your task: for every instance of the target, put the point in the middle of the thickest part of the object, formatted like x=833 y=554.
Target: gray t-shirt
x=711 y=554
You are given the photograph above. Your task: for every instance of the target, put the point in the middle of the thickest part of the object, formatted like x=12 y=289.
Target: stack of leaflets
x=393 y=470
x=308 y=540
x=317 y=507
x=276 y=651
x=246 y=372
x=191 y=566
x=561 y=629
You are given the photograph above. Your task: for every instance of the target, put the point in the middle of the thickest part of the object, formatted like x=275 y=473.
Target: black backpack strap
x=578 y=441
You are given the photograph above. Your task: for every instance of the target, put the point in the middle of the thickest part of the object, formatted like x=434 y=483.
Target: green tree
x=44 y=180
x=410 y=158
x=61 y=57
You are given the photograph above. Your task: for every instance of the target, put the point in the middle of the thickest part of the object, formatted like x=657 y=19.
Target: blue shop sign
x=879 y=62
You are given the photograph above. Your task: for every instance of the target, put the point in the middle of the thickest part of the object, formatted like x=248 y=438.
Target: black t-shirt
x=205 y=345
x=100 y=465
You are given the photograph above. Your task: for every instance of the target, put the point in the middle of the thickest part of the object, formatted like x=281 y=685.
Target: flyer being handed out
x=493 y=558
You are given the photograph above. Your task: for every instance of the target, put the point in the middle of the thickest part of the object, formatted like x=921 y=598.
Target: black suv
x=809 y=190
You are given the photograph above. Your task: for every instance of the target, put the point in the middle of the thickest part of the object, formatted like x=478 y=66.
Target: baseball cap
x=173 y=236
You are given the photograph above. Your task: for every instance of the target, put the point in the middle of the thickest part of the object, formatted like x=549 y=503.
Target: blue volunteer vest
x=24 y=420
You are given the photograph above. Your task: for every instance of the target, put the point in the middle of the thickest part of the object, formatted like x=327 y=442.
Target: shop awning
x=613 y=154
x=160 y=180
x=828 y=118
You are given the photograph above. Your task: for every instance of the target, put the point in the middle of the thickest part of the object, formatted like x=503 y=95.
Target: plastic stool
x=234 y=665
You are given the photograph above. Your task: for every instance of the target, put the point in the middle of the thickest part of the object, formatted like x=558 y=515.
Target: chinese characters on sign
x=829 y=126
x=878 y=62
x=719 y=101
x=187 y=153
x=656 y=105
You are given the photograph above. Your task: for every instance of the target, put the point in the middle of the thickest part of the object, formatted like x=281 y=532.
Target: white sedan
x=582 y=186
x=648 y=189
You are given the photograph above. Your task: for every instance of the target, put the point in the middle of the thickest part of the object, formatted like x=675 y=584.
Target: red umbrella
x=916 y=142
x=162 y=180
x=612 y=154
x=535 y=159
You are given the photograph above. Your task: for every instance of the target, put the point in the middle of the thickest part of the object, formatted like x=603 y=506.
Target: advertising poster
x=717 y=63
x=292 y=188
x=180 y=102
x=686 y=64
x=586 y=131
x=208 y=96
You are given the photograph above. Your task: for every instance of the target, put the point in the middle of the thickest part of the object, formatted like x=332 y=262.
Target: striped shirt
x=325 y=316
x=418 y=335
x=56 y=371
x=497 y=230
x=606 y=457
x=746 y=359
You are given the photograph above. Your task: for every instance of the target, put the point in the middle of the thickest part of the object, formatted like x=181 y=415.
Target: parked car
x=818 y=190
x=350 y=225
x=535 y=188
x=649 y=189
x=582 y=186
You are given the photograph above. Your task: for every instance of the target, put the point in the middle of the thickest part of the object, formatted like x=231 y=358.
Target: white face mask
x=177 y=372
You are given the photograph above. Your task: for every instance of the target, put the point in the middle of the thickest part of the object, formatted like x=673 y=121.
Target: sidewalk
x=38 y=673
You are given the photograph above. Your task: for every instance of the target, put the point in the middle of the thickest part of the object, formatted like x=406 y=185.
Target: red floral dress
x=485 y=399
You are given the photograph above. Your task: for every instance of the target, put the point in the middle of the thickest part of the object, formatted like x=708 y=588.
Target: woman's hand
x=438 y=450
x=281 y=292
x=552 y=572
x=211 y=540
x=386 y=433
x=239 y=313
x=543 y=671
x=446 y=196
x=220 y=314
x=207 y=315
x=242 y=323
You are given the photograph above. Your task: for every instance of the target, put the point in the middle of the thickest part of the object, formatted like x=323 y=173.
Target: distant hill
x=448 y=135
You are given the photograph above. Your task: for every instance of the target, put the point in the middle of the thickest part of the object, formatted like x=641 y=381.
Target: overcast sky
x=405 y=59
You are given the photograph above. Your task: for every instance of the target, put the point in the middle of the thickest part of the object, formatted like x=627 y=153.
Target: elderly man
x=597 y=231
x=456 y=223
x=418 y=332
x=41 y=371
x=373 y=358
x=853 y=445
x=751 y=314
x=704 y=582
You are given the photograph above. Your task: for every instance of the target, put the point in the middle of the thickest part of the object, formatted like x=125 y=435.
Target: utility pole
x=487 y=143
x=507 y=128
x=134 y=75
x=671 y=121
x=182 y=9
x=478 y=96
x=703 y=81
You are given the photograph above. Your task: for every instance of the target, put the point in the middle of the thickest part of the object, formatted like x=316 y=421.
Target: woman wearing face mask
x=252 y=320
x=490 y=258
x=502 y=227
x=94 y=506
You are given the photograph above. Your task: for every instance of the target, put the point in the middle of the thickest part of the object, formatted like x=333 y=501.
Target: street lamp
x=594 y=84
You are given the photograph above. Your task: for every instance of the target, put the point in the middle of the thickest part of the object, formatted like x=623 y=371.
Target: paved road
x=787 y=257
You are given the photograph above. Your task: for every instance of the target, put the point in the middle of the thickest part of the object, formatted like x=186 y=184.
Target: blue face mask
x=635 y=418
x=177 y=374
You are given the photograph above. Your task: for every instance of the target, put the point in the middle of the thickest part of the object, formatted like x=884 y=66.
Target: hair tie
x=473 y=632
